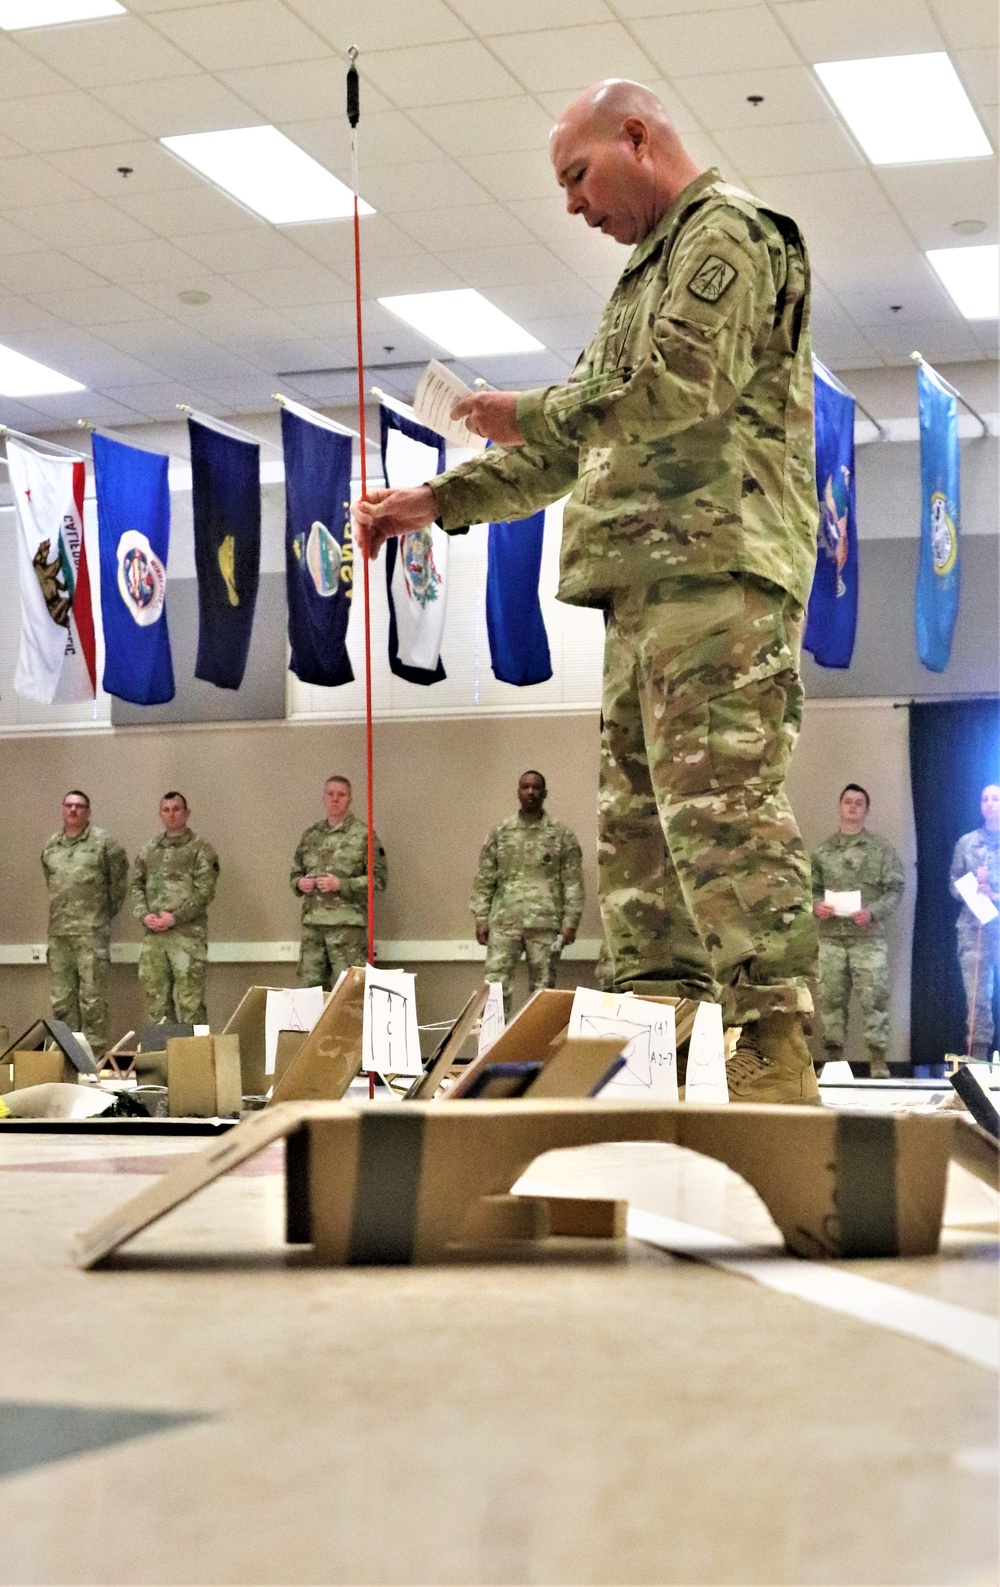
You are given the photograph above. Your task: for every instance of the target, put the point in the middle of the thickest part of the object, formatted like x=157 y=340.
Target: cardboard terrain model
x=412 y=1184
x=46 y=1053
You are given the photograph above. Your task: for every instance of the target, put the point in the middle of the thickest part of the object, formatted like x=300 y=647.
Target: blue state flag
x=319 y=554
x=133 y=523
x=938 y=575
x=519 y=645
x=833 y=604
x=225 y=496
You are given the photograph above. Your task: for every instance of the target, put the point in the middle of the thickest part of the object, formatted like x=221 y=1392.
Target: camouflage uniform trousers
x=979 y=988
x=78 y=974
x=172 y=970
x=327 y=950
x=863 y=966
x=504 y=951
x=704 y=879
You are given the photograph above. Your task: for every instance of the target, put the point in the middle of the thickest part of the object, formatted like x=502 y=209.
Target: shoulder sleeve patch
x=712 y=279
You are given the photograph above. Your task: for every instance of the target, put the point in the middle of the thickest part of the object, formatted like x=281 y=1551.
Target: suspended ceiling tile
x=116 y=49
x=296 y=91
x=308 y=283
x=493 y=269
x=72 y=120
x=332 y=242
x=379 y=27
x=980 y=71
x=151 y=169
x=46 y=272
x=572 y=57
x=684 y=46
x=789 y=151
x=261 y=247
x=155 y=260
x=525 y=174
x=720 y=99
x=242 y=393
x=427 y=184
x=483 y=226
x=440 y=74
x=965 y=187
x=225 y=299
x=827 y=195
x=97 y=408
x=519 y=371
x=840 y=30
x=931 y=228
x=850 y=235
x=22 y=74
x=706 y=153
x=967 y=24
x=562 y=333
x=487 y=18
x=223 y=38
x=14 y=241
x=96 y=363
x=331 y=320
x=555 y=291
x=188 y=210
x=177 y=105
x=98 y=306
x=30 y=180
x=20 y=317
x=632 y=9
x=937 y=339
x=158 y=399
x=22 y=417
x=419 y=273
x=387 y=136
x=88 y=220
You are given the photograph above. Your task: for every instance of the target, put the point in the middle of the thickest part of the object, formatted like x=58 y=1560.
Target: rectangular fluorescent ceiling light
x=464 y=323
x=23 y=377
x=905 y=109
x=971 y=276
x=46 y=13
x=268 y=173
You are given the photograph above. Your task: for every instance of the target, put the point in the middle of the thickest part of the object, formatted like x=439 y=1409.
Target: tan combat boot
x=878 y=1069
x=772 y=1062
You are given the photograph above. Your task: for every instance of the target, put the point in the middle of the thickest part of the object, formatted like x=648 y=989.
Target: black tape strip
x=298 y=1207
x=385 y=1201
x=866 y=1184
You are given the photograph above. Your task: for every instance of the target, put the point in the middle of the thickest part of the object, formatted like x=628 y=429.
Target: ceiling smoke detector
x=195 y=297
x=968 y=228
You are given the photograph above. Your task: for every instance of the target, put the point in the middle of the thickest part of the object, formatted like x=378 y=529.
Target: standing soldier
x=854 y=949
x=979 y=946
x=528 y=892
x=173 y=883
x=86 y=872
x=330 y=871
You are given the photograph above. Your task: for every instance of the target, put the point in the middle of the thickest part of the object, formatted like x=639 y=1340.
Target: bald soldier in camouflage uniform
x=528 y=892
x=685 y=439
x=979 y=948
x=173 y=882
x=86 y=872
x=854 y=949
x=330 y=873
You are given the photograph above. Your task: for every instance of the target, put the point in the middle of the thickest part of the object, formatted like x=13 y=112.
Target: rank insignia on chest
x=713 y=277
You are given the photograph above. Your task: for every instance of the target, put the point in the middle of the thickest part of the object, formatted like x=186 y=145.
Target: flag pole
x=353 y=117
x=920 y=360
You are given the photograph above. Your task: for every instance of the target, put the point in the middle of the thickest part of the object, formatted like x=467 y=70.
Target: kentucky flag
x=133 y=524
x=938 y=572
x=519 y=645
x=225 y=493
x=416 y=565
x=319 y=554
x=833 y=603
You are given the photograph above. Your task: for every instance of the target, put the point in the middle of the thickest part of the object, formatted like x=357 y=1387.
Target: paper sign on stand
x=982 y=907
x=289 y=1008
x=493 y=1021
x=844 y=905
x=649 y=1042
x=706 y=1063
x=390 y=1040
x=836 y=1073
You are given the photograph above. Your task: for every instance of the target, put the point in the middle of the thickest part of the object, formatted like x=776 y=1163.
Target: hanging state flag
x=938 y=575
x=416 y=565
x=319 y=554
x=133 y=525
x=225 y=493
x=833 y=604
x=57 y=655
x=519 y=645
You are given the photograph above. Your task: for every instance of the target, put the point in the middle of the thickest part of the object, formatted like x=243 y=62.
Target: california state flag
x=57 y=656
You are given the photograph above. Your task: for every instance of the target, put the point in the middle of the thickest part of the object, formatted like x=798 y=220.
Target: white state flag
x=56 y=653
x=417 y=585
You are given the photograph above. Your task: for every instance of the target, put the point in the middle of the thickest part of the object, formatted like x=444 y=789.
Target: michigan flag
x=939 y=570
x=225 y=493
x=319 y=555
x=133 y=524
x=833 y=603
x=519 y=645
x=57 y=658
x=416 y=565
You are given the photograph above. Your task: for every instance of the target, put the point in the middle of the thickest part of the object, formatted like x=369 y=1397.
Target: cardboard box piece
x=52 y=1032
x=41 y=1068
x=400 y=1185
x=330 y=1056
x=247 y=1022
x=203 y=1077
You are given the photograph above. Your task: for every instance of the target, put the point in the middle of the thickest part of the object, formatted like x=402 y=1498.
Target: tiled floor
x=596 y=1416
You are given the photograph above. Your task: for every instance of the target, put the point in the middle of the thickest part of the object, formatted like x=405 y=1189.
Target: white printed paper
x=289 y=1008
x=706 y=1065
x=649 y=1042
x=982 y=907
x=845 y=904
x=493 y=1022
x=390 y=1040
x=438 y=389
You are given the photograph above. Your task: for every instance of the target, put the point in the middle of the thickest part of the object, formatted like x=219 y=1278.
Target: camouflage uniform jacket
x=530 y=875
x=685 y=432
x=87 y=879
x=852 y=860
x=177 y=875
x=972 y=850
x=341 y=851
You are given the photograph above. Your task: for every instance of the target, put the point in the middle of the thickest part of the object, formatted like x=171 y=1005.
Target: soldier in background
x=528 y=892
x=86 y=872
x=173 y=882
x=330 y=873
x=854 y=949
x=979 y=946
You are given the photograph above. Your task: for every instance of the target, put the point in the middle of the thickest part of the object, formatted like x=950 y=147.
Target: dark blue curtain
x=954 y=753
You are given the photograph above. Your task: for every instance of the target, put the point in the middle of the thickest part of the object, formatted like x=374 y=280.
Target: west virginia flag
x=319 y=556
x=225 y=491
x=833 y=603
x=416 y=565
x=938 y=575
x=133 y=522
